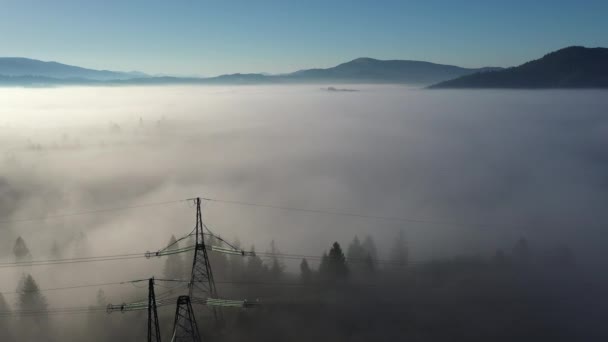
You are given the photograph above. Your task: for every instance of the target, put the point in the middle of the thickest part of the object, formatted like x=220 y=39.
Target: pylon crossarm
x=169 y=252
x=232 y=251
x=225 y=302
x=220 y=302
x=136 y=306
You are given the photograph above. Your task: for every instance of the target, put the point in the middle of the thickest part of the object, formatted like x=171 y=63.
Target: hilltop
x=571 y=67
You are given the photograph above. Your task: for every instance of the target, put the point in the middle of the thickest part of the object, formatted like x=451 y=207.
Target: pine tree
x=356 y=252
x=370 y=247
x=5 y=326
x=305 y=272
x=20 y=250
x=255 y=268
x=324 y=265
x=276 y=267
x=333 y=265
x=30 y=297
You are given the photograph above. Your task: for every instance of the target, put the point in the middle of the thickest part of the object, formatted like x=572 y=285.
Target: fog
x=470 y=171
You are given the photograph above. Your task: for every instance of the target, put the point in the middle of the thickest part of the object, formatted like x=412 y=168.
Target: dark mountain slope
x=572 y=67
x=379 y=71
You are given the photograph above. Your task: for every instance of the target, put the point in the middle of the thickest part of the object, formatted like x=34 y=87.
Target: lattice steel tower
x=153 y=327
x=202 y=285
x=185 y=328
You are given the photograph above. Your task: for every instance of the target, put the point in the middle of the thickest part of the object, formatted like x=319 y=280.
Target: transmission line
x=403 y=219
x=73 y=260
x=92 y=211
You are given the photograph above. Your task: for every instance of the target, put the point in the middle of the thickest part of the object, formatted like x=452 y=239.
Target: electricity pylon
x=153 y=327
x=202 y=285
x=151 y=305
x=184 y=327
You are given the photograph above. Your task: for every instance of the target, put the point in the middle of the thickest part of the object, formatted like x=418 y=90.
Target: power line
x=92 y=211
x=348 y=214
x=73 y=260
x=183 y=250
x=69 y=310
x=260 y=205
x=65 y=288
x=272 y=206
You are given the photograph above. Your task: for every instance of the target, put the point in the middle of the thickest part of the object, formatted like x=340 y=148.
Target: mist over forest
x=489 y=209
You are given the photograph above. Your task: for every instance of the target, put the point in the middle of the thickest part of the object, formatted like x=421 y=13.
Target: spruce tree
x=20 y=250
x=5 y=325
x=276 y=267
x=305 y=272
x=255 y=268
x=370 y=247
x=30 y=297
x=333 y=265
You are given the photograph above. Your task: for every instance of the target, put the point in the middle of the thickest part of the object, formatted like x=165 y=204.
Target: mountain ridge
x=368 y=69
x=570 y=67
x=22 y=66
x=25 y=71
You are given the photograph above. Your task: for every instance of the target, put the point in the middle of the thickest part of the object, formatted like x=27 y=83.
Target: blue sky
x=215 y=37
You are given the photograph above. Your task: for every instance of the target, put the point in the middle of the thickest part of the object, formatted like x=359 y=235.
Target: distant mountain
x=30 y=72
x=25 y=67
x=369 y=70
x=361 y=70
x=572 y=67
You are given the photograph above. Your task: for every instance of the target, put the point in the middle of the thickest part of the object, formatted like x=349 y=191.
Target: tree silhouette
x=276 y=267
x=305 y=272
x=356 y=252
x=5 y=326
x=370 y=247
x=20 y=250
x=30 y=297
x=359 y=260
x=255 y=269
x=324 y=265
x=333 y=265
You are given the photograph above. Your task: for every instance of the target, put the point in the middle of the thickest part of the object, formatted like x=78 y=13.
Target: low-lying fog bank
x=474 y=171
